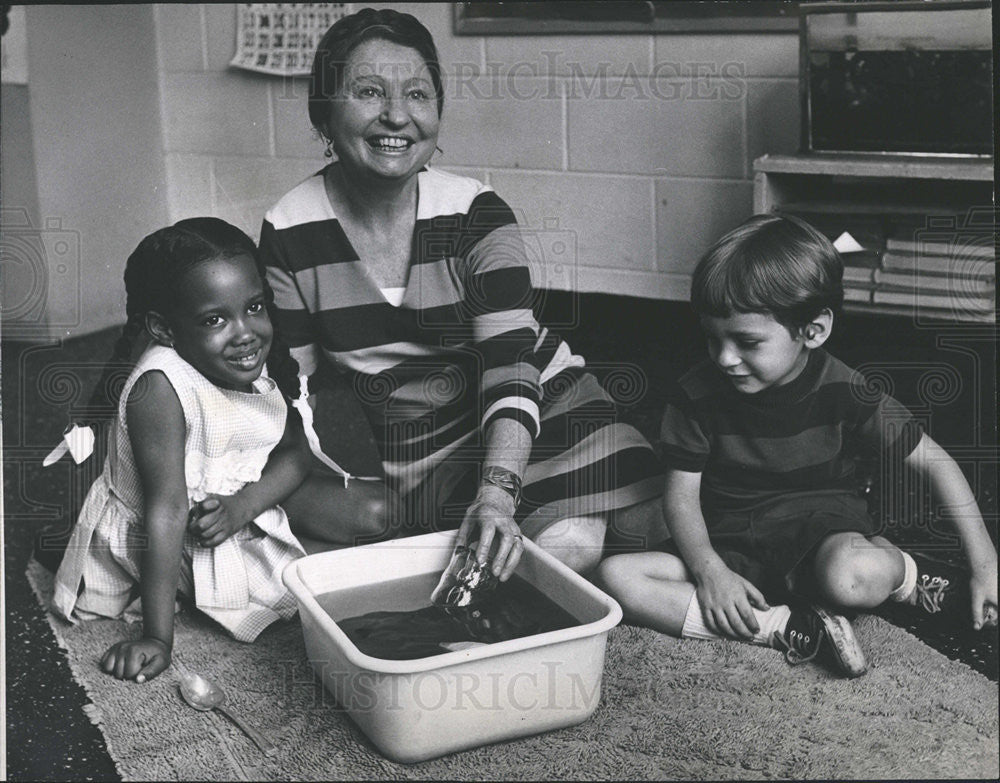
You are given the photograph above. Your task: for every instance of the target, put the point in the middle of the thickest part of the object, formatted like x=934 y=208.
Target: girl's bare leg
x=324 y=514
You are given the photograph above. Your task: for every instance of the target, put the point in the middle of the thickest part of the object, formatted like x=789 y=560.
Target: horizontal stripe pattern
x=507 y=406
x=447 y=194
x=305 y=203
x=804 y=435
x=458 y=353
x=496 y=324
x=377 y=359
x=405 y=474
x=598 y=503
x=809 y=447
x=602 y=443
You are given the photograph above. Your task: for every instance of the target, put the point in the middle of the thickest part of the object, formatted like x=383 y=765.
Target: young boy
x=760 y=493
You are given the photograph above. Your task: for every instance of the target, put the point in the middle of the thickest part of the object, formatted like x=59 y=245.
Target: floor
x=945 y=374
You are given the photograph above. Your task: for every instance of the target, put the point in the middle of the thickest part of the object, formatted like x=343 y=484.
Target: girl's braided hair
x=152 y=275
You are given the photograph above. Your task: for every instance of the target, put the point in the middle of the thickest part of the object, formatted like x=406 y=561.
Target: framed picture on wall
x=14 y=51
x=624 y=16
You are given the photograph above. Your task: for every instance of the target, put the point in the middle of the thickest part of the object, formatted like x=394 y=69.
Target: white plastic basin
x=419 y=709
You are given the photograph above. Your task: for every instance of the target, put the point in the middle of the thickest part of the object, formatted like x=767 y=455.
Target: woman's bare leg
x=576 y=541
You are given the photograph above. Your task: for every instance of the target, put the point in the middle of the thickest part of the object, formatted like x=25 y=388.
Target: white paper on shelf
x=845 y=243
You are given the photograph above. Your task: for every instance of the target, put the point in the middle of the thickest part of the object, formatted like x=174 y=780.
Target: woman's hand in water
x=490 y=515
x=215 y=519
x=138 y=660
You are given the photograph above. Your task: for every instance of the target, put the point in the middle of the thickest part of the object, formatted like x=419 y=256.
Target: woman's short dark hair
x=346 y=35
x=776 y=264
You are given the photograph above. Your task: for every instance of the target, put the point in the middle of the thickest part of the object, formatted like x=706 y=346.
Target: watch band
x=507 y=480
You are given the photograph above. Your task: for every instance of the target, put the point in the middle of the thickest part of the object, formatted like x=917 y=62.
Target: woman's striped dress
x=461 y=350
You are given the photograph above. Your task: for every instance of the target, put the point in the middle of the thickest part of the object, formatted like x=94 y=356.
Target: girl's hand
x=215 y=519
x=728 y=600
x=492 y=514
x=138 y=660
x=983 y=590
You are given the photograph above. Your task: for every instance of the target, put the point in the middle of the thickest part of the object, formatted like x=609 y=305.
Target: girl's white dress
x=229 y=437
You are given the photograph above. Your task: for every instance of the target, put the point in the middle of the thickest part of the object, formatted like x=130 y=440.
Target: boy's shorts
x=771 y=544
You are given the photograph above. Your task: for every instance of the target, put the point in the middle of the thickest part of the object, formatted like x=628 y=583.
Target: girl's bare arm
x=156 y=432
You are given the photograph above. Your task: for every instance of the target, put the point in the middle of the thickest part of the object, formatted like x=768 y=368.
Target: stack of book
x=861 y=241
x=907 y=267
x=937 y=273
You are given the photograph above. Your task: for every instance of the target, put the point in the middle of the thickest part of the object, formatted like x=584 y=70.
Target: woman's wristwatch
x=507 y=480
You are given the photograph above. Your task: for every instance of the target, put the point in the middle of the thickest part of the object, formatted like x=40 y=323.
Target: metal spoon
x=204 y=695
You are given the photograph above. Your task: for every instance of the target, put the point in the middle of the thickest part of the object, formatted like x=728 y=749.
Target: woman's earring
x=328 y=152
x=439 y=150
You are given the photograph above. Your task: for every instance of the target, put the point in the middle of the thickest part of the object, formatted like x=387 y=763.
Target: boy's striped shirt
x=800 y=436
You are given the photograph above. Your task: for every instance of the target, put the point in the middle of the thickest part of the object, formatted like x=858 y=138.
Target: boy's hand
x=215 y=519
x=728 y=600
x=983 y=590
x=138 y=660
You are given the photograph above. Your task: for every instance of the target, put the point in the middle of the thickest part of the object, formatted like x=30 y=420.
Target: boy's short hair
x=776 y=264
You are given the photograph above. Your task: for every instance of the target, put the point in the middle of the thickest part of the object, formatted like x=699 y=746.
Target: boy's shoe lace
x=942 y=590
x=798 y=647
x=931 y=592
x=815 y=632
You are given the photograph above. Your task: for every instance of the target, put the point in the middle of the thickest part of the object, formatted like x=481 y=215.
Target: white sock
x=774 y=619
x=905 y=590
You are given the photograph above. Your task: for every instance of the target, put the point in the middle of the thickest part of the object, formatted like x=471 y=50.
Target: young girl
x=202 y=449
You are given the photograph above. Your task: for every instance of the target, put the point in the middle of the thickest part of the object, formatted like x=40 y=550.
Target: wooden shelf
x=898 y=194
x=879 y=166
x=921 y=316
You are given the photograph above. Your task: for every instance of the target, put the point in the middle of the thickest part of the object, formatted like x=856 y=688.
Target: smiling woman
x=386 y=120
x=416 y=283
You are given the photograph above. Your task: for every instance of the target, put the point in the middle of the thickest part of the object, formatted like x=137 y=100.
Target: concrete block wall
x=625 y=155
x=82 y=167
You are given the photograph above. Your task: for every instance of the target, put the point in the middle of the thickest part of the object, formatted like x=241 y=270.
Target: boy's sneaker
x=942 y=590
x=814 y=631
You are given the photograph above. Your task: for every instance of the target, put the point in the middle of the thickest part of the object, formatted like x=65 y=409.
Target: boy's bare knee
x=851 y=571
